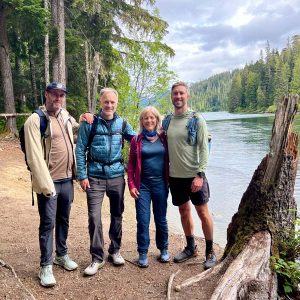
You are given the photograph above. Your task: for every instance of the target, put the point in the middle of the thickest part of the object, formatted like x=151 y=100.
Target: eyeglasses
x=60 y=95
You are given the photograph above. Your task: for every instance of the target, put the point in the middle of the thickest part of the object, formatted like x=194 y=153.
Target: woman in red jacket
x=148 y=169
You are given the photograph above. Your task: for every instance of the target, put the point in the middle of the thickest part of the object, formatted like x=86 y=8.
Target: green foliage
x=127 y=34
x=211 y=94
x=76 y=106
x=266 y=81
x=288 y=273
x=287 y=265
x=271 y=109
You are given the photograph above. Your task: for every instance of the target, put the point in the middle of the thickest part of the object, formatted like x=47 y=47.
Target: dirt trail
x=19 y=248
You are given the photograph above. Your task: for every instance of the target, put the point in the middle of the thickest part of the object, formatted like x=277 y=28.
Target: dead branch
x=170 y=283
x=7 y=266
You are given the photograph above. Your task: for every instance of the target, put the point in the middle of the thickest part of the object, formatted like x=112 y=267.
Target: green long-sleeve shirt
x=186 y=160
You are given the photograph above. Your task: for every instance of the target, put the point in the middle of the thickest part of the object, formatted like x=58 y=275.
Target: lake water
x=239 y=143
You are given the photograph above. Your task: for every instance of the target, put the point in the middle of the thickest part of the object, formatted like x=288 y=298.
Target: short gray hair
x=108 y=89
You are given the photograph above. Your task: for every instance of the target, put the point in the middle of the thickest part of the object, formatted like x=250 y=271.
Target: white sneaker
x=46 y=276
x=116 y=259
x=66 y=262
x=93 y=268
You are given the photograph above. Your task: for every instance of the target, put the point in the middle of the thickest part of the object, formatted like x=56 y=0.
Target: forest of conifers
x=95 y=43
x=86 y=45
x=257 y=87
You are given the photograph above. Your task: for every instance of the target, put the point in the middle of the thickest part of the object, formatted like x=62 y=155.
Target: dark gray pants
x=114 y=189
x=55 y=211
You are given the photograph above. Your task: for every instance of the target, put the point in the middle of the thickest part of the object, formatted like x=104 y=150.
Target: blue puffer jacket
x=105 y=149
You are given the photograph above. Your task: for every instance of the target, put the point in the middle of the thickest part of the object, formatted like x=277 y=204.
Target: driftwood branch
x=250 y=269
x=243 y=273
x=170 y=283
x=7 y=266
x=206 y=275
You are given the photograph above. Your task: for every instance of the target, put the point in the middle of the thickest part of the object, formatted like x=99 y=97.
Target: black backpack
x=43 y=126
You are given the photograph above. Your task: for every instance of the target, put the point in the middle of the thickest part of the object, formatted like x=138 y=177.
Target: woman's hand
x=134 y=193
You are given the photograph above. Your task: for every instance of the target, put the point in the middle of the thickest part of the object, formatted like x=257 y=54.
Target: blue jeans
x=55 y=212
x=155 y=190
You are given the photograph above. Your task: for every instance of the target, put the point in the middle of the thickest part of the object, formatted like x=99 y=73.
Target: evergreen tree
x=251 y=88
x=295 y=83
x=281 y=78
x=235 y=93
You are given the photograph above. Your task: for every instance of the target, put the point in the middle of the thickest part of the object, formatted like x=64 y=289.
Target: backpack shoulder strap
x=166 y=122
x=93 y=131
x=124 y=124
x=43 y=121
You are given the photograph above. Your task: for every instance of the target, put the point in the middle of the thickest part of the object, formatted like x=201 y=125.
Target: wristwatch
x=201 y=174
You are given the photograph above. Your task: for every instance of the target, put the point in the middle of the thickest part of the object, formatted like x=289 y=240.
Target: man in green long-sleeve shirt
x=187 y=137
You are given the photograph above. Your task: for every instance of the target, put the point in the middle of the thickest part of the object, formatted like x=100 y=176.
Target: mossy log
x=264 y=220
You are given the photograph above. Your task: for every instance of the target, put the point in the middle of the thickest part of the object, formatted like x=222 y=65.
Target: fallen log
x=265 y=219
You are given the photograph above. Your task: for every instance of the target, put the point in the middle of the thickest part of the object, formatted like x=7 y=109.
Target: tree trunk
x=265 y=219
x=33 y=79
x=61 y=42
x=55 y=60
x=46 y=50
x=58 y=57
x=6 y=75
x=87 y=73
x=94 y=82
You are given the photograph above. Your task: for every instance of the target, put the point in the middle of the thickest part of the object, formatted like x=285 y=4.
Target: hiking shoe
x=185 y=254
x=143 y=260
x=116 y=259
x=164 y=256
x=46 y=276
x=66 y=262
x=210 y=261
x=93 y=268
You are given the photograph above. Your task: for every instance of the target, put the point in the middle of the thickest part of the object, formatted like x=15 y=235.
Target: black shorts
x=181 y=191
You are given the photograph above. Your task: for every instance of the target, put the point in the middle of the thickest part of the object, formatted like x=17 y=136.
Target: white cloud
x=213 y=35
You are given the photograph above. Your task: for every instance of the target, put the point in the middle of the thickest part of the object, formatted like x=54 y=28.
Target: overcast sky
x=212 y=36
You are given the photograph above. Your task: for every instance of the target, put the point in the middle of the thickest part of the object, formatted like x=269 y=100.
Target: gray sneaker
x=210 y=261
x=93 y=268
x=185 y=254
x=116 y=259
x=46 y=276
x=66 y=262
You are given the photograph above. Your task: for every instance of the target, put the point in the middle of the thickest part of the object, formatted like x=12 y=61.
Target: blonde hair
x=157 y=115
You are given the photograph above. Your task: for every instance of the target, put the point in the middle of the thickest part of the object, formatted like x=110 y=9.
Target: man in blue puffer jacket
x=103 y=172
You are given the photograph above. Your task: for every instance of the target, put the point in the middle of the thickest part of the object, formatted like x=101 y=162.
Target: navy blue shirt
x=153 y=159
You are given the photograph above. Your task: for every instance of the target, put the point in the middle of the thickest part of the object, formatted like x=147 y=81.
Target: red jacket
x=135 y=161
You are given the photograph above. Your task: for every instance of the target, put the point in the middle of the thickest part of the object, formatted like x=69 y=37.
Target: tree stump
x=265 y=218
